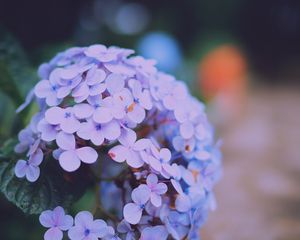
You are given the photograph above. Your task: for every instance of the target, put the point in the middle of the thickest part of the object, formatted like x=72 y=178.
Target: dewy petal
x=20 y=168
x=42 y=89
x=69 y=161
x=132 y=213
x=102 y=115
x=187 y=130
x=54 y=115
x=65 y=141
x=53 y=234
x=118 y=153
x=87 y=154
x=46 y=219
x=32 y=173
x=141 y=194
x=83 y=110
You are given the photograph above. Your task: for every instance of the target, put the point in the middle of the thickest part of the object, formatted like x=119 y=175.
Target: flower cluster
x=97 y=101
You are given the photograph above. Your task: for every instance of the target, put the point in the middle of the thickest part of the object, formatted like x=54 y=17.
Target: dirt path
x=259 y=195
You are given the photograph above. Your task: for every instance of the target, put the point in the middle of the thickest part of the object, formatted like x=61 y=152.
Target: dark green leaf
x=53 y=188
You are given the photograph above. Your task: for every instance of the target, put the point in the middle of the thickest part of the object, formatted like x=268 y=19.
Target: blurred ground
x=259 y=196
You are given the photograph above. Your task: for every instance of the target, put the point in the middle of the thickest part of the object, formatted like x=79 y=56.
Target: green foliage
x=54 y=187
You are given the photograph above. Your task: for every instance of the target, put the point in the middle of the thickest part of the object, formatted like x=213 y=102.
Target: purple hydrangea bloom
x=141 y=133
x=133 y=211
x=57 y=221
x=30 y=168
x=86 y=228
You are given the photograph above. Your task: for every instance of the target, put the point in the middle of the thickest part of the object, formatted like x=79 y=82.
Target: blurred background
x=242 y=57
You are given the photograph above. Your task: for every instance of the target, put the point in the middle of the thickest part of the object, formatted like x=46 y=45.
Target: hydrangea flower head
x=136 y=130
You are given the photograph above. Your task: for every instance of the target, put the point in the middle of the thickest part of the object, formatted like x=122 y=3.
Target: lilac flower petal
x=118 y=153
x=99 y=228
x=154 y=163
x=96 y=77
x=69 y=161
x=36 y=158
x=83 y=218
x=53 y=234
x=187 y=130
x=145 y=100
x=54 y=115
x=32 y=173
x=115 y=83
x=136 y=113
x=76 y=233
x=42 y=89
x=155 y=199
x=165 y=154
x=127 y=137
x=52 y=99
x=183 y=203
x=46 y=219
x=97 y=89
x=70 y=125
x=111 y=130
x=65 y=141
x=87 y=154
x=69 y=73
x=96 y=137
x=102 y=115
x=63 y=92
x=141 y=194
x=83 y=110
x=48 y=131
x=20 y=168
x=160 y=188
x=133 y=159
x=132 y=213
x=151 y=180
x=156 y=232
x=66 y=223
x=141 y=144
x=123 y=227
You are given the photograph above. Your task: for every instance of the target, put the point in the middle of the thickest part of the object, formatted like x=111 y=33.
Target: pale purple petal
x=20 y=168
x=70 y=125
x=95 y=76
x=136 y=113
x=111 y=130
x=183 y=203
x=83 y=110
x=160 y=188
x=152 y=180
x=132 y=213
x=165 y=154
x=128 y=137
x=99 y=228
x=102 y=115
x=48 y=131
x=155 y=199
x=83 y=218
x=54 y=115
x=141 y=194
x=115 y=83
x=42 y=89
x=154 y=163
x=76 y=233
x=69 y=161
x=118 y=153
x=187 y=130
x=97 y=89
x=87 y=154
x=36 y=158
x=53 y=234
x=65 y=141
x=142 y=144
x=32 y=173
x=134 y=160
x=46 y=219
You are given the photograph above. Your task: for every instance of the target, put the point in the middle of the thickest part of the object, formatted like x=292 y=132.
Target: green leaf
x=53 y=188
